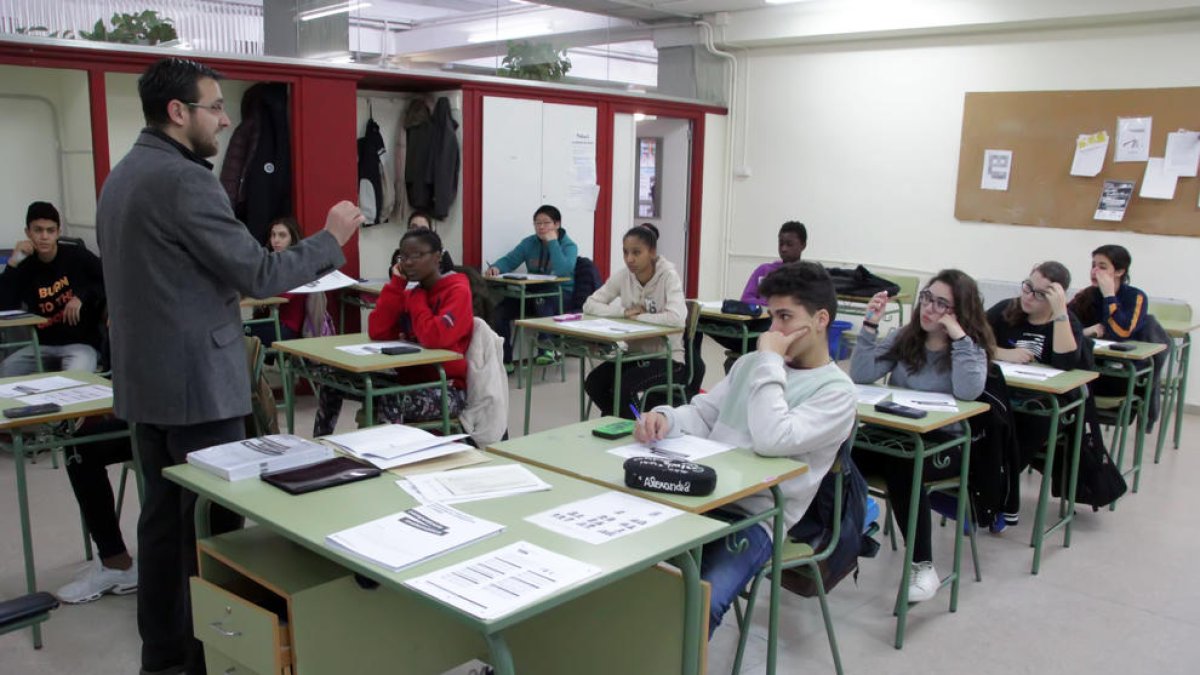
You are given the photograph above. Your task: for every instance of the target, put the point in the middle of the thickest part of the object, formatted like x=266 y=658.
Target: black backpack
x=860 y=282
x=587 y=280
x=815 y=528
x=1100 y=482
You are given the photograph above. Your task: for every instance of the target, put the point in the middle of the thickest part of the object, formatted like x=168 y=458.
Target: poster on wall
x=1133 y=139
x=1090 y=150
x=1114 y=198
x=1158 y=182
x=997 y=165
x=1183 y=152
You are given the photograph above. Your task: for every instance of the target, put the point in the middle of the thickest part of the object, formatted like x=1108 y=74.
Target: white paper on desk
x=1027 y=371
x=1133 y=139
x=712 y=305
x=1157 y=182
x=466 y=485
x=503 y=581
x=525 y=276
x=393 y=445
x=399 y=540
x=870 y=395
x=374 y=348
x=608 y=327
x=9 y=313
x=1090 y=150
x=1103 y=344
x=330 y=282
x=997 y=167
x=65 y=397
x=607 y=516
x=37 y=386
x=925 y=400
x=1183 y=153
x=688 y=448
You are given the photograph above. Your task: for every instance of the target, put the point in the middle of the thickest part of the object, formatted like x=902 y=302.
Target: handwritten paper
x=603 y=518
x=1090 y=150
x=687 y=448
x=997 y=165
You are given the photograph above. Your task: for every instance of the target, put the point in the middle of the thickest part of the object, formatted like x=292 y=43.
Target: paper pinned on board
x=1157 y=182
x=1090 y=150
x=1133 y=139
x=1183 y=153
x=1113 y=200
x=997 y=166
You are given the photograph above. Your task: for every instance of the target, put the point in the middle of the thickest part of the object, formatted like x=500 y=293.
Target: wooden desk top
x=325 y=350
x=1059 y=384
x=87 y=409
x=933 y=420
x=899 y=297
x=372 y=286
x=718 y=315
x=1178 y=328
x=573 y=450
x=1141 y=350
x=262 y=302
x=23 y=320
x=549 y=325
x=525 y=282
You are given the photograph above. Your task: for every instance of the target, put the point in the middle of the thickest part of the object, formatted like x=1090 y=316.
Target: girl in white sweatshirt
x=646 y=289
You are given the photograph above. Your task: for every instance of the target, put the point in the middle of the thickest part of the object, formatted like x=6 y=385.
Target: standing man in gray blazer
x=175 y=260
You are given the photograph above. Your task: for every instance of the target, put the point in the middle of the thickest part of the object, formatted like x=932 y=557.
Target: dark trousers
x=509 y=310
x=897 y=472
x=167 y=541
x=734 y=344
x=87 y=471
x=636 y=377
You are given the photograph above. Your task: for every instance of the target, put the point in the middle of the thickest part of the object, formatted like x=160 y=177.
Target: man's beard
x=203 y=146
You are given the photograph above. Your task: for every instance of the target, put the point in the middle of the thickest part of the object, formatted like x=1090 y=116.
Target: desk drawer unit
x=238 y=629
x=217 y=663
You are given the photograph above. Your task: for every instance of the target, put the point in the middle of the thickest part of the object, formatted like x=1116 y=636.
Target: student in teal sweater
x=548 y=251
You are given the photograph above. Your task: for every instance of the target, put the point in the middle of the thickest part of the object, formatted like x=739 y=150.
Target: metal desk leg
x=618 y=364
x=1185 y=354
x=289 y=400
x=529 y=339
x=1073 y=478
x=1139 y=445
x=368 y=401
x=501 y=657
x=26 y=532
x=964 y=495
x=37 y=359
x=445 y=400
x=901 y=609
x=1039 y=519
x=776 y=578
x=670 y=369
x=1170 y=386
x=693 y=609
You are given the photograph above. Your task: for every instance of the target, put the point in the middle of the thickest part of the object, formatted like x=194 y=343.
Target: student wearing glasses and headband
x=945 y=348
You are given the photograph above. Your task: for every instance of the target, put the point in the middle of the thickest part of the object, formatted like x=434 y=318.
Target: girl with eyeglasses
x=945 y=348
x=435 y=313
x=419 y=220
x=1036 y=326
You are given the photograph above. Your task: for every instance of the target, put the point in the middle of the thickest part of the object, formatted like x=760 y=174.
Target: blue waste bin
x=835 y=337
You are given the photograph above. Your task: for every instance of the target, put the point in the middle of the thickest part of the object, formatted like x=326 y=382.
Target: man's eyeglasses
x=217 y=108
x=401 y=258
x=1028 y=289
x=940 y=304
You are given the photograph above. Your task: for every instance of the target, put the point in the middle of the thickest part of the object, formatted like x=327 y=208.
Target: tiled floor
x=1125 y=598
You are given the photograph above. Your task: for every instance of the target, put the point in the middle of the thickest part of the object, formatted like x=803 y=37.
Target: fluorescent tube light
x=340 y=8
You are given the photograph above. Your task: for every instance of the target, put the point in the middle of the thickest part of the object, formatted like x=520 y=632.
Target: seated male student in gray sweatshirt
x=788 y=399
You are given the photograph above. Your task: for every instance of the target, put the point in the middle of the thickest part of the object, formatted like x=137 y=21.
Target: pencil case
x=672 y=476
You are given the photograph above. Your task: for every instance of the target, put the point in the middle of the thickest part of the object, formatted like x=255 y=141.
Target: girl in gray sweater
x=944 y=348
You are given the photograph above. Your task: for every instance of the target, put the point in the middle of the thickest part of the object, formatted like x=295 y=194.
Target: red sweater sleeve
x=443 y=319
x=384 y=321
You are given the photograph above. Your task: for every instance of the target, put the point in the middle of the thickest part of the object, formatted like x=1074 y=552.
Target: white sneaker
x=96 y=580
x=923 y=582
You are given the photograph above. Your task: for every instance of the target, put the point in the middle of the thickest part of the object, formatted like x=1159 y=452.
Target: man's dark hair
x=42 y=211
x=805 y=282
x=170 y=79
x=797 y=228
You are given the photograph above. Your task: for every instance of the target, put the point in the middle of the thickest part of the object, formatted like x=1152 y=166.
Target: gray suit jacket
x=175 y=259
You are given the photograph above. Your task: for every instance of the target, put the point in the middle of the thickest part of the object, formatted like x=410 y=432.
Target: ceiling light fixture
x=510 y=33
x=340 y=8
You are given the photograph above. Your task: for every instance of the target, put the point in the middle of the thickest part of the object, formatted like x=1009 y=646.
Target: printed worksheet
x=605 y=517
x=608 y=327
x=503 y=581
x=1027 y=371
x=374 y=348
x=37 y=386
x=330 y=282
x=687 y=448
x=66 y=397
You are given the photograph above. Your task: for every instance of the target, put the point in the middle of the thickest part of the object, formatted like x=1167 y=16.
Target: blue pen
x=636 y=415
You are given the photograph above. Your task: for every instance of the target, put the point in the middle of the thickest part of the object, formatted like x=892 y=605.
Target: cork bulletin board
x=1040 y=129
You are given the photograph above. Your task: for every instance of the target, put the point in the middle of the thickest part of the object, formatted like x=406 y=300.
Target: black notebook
x=331 y=472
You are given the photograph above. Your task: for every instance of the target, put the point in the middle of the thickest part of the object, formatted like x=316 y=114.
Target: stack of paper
x=608 y=327
x=374 y=348
x=1027 y=371
x=503 y=581
x=528 y=277
x=395 y=444
x=406 y=538
x=870 y=395
x=1103 y=344
x=468 y=485
x=37 y=386
x=245 y=459
x=925 y=400
x=687 y=448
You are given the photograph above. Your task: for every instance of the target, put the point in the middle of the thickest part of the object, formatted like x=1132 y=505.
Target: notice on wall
x=1158 y=182
x=1114 y=198
x=997 y=165
x=1133 y=139
x=1090 y=150
x=583 y=158
x=1183 y=152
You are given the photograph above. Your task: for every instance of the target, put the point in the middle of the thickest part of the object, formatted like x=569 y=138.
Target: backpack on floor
x=1100 y=482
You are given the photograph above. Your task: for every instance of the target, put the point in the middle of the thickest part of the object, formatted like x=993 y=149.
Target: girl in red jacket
x=435 y=313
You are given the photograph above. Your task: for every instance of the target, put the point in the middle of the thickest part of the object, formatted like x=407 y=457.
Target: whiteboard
x=512 y=172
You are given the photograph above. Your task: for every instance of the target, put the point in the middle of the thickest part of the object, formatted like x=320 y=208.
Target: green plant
x=133 y=29
x=535 y=61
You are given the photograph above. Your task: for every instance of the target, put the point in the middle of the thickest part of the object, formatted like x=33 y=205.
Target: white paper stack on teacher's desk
x=406 y=538
x=249 y=458
x=396 y=444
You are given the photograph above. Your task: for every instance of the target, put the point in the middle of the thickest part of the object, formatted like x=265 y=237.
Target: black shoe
x=169 y=670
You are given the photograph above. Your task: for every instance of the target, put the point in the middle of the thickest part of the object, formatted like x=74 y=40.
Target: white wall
x=624 y=184
x=712 y=208
x=45 y=130
x=376 y=243
x=673 y=187
x=860 y=141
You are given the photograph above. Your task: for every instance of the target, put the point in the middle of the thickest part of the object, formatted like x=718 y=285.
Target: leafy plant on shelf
x=133 y=29
x=535 y=61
